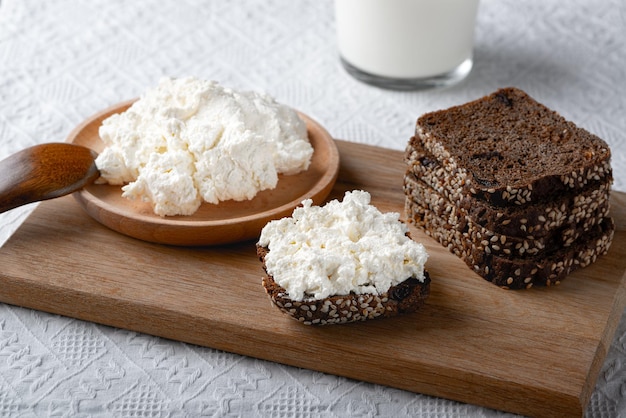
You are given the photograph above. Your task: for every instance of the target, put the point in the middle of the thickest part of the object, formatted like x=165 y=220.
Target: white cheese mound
x=339 y=248
x=188 y=140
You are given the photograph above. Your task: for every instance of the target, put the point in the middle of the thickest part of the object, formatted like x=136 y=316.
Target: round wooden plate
x=227 y=222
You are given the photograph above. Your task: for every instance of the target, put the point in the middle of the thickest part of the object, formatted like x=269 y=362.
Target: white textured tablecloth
x=63 y=60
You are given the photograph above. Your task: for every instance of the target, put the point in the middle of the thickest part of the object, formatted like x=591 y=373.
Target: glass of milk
x=406 y=44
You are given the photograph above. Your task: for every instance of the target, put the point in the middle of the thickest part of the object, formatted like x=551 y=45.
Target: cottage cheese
x=187 y=141
x=342 y=247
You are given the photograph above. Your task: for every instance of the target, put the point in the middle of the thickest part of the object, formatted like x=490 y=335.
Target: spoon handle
x=44 y=172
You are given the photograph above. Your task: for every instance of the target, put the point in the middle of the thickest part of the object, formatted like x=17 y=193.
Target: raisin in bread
x=508 y=149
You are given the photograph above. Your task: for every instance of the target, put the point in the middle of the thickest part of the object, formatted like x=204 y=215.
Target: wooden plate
x=227 y=222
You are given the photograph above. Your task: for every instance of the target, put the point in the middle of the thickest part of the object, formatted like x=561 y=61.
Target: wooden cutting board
x=534 y=352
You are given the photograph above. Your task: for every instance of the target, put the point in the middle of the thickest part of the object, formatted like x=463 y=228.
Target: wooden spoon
x=44 y=172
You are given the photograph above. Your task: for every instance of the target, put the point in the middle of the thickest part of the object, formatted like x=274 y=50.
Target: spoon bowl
x=45 y=171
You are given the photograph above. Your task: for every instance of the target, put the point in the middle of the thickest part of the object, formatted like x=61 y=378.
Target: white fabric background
x=63 y=60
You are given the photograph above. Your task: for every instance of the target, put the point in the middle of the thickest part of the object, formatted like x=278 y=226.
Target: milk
x=406 y=39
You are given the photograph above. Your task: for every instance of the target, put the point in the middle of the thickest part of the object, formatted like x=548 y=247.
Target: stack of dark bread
x=511 y=187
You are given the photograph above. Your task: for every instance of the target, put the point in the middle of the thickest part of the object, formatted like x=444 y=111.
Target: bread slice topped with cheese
x=342 y=262
x=512 y=188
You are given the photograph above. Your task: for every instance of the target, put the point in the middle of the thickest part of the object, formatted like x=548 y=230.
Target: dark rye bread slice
x=513 y=272
x=497 y=244
x=529 y=221
x=406 y=297
x=500 y=244
x=508 y=149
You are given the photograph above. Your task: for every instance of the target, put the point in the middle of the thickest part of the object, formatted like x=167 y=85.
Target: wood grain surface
x=533 y=352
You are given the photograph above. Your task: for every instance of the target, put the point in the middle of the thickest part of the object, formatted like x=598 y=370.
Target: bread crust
x=406 y=297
